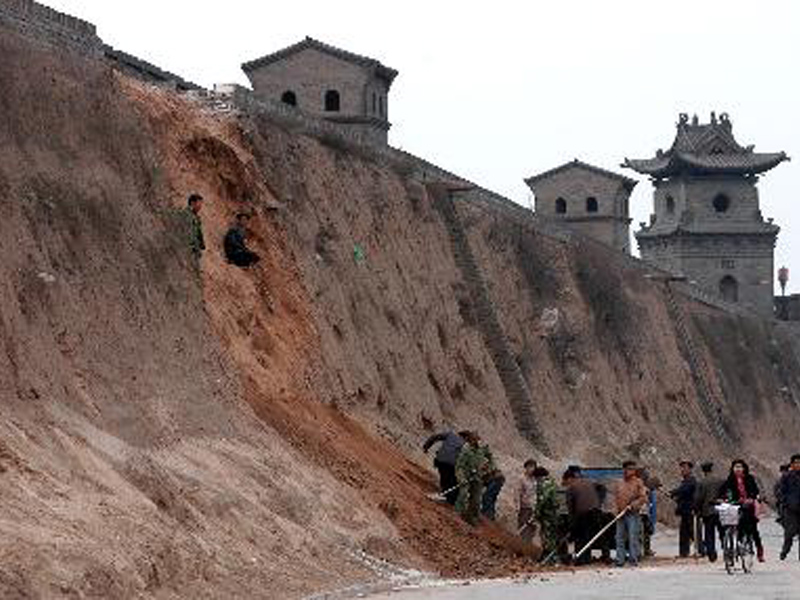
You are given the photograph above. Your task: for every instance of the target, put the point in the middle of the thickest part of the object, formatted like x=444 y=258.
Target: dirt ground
x=672 y=580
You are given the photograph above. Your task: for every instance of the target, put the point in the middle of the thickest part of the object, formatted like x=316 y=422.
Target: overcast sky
x=497 y=91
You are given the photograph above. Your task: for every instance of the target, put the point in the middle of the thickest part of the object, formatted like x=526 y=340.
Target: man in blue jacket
x=445 y=461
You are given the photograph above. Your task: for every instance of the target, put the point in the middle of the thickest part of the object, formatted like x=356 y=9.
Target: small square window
x=728 y=263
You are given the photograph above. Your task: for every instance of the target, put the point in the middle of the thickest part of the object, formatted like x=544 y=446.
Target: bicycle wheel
x=729 y=548
x=746 y=553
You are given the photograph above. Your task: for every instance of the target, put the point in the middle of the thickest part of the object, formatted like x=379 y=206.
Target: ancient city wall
x=50 y=26
x=53 y=27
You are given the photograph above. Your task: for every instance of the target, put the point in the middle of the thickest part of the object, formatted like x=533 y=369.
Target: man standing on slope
x=445 y=461
x=470 y=466
x=790 y=495
x=493 y=481
x=194 y=225
x=683 y=495
x=705 y=498
x=630 y=497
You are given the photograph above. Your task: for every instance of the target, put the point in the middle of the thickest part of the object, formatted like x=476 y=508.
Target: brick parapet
x=50 y=26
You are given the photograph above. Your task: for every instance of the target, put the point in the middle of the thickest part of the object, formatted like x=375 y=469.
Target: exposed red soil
x=276 y=346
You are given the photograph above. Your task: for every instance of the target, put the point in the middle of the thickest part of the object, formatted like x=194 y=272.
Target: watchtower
x=327 y=82
x=707 y=223
x=587 y=199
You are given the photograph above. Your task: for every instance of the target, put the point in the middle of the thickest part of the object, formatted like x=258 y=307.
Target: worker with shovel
x=583 y=505
x=470 y=468
x=546 y=508
x=445 y=461
x=631 y=496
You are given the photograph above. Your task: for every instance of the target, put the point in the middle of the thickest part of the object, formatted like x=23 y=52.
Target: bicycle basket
x=728 y=514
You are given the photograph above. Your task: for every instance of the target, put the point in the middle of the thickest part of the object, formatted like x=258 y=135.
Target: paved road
x=773 y=580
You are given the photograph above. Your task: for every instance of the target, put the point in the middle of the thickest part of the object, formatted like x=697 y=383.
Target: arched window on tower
x=670 y=205
x=332 y=101
x=289 y=97
x=729 y=288
x=561 y=206
x=591 y=204
x=721 y=203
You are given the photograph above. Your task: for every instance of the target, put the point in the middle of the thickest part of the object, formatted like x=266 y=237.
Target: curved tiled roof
x=381 y=70
x=753 y=163
x=706 y=148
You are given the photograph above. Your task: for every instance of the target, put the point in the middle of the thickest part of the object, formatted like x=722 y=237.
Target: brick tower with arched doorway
x=707 y=223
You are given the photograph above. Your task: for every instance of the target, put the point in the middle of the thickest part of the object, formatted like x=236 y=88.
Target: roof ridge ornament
x=707 y=148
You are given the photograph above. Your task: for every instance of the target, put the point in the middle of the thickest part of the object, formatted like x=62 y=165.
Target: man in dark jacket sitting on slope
x=235 y=243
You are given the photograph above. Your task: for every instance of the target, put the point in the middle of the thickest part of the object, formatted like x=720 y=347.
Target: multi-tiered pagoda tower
x=707 y=224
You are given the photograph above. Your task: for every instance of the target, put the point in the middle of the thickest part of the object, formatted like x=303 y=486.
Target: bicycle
x=734 y=547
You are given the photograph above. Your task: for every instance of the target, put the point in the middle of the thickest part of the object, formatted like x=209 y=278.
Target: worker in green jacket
x=546 y=509
x=469 y=473
x=195 y=225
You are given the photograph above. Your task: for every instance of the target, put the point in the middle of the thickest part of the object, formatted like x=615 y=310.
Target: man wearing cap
x=683 y=495
x=705 y=496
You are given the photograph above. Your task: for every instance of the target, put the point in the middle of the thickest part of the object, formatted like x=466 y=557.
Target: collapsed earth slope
x=175 y=429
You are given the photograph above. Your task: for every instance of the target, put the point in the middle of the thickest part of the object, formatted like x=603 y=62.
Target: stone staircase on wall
x=709 y=403
x=514 y=384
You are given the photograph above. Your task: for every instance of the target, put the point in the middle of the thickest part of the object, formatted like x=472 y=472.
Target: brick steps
x=516 y=388
x=709 y=403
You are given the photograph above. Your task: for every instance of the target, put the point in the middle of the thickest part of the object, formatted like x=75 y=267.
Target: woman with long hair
x=741 y=488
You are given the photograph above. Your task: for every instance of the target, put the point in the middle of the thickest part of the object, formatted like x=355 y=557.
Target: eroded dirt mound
x=132 y=459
